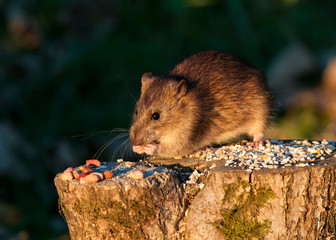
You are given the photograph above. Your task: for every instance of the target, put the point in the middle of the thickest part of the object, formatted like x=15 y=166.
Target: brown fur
x=221 y=98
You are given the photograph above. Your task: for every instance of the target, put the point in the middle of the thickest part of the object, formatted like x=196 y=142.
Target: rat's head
x=157 y=114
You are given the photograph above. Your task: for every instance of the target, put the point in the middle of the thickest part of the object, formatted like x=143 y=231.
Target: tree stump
x=295 y=202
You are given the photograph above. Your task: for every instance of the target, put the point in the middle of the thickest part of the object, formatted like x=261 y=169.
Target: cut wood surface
x=295 y=202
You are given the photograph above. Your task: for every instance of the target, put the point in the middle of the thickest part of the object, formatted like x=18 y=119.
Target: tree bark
x=293 y=202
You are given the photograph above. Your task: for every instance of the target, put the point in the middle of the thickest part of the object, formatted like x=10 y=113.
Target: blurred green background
x=70 y=68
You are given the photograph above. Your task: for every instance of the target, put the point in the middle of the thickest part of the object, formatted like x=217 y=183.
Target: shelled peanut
x=136 y=175
x=86 y=173
x=67 y=174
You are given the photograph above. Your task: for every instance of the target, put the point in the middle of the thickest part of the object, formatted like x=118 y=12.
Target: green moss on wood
x=240 y=219
x=61 y=207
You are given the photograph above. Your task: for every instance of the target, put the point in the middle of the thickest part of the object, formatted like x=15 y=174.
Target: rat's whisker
x=92 y=134
x=121 y=146
x=126 y=148
x=101 y=149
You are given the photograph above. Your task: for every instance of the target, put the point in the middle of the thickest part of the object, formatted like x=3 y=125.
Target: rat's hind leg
x=258 y=140
x=257 y=132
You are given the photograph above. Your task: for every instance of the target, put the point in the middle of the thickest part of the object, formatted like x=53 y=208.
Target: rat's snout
x=137 y=139
x=141 y=142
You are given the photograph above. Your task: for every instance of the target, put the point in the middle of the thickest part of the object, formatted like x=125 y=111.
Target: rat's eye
x=155 y=116
x=136 y=112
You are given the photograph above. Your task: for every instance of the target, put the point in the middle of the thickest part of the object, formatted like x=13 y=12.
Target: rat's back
x=236 y=93
x=212 y=64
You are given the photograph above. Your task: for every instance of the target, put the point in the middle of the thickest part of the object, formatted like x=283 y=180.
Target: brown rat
x=208 y=98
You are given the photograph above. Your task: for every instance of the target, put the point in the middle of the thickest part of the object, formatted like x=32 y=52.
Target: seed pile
x=275 y=154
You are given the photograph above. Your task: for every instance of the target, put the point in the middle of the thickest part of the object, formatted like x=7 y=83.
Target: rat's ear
x=180 y=89
x=146 y=79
